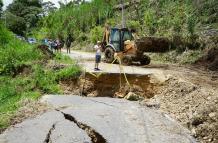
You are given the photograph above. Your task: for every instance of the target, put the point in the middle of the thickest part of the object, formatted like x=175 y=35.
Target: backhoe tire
x=109 y=55
x=126 y=60
x=145 y=60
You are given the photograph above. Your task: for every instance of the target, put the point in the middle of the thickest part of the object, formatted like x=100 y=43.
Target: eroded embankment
x=133 y=87
x=193 y=105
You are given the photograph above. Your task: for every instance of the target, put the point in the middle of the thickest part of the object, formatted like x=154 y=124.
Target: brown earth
x=210 y=59
x=110 y=85
x=190 y=95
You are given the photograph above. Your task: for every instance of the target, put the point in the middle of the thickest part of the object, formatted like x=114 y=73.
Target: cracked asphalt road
x=78 y=119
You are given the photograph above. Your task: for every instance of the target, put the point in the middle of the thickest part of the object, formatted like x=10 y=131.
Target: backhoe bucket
x=152 y=44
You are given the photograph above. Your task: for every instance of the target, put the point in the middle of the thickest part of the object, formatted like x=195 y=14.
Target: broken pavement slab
x=84 y=119
x=120 y=120
x=32 y=130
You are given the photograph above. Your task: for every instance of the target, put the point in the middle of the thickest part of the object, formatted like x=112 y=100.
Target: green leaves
x=23 y=15
x=5 y=36
x=76 y=19
x=150 y=21
x=14 y=52
x=96 y=34
x=1 y=5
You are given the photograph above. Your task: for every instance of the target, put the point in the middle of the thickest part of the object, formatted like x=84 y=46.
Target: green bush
x=45 y=80
x=82 y=37
x=5 y=35
x=133 y=25
x=111 y=22
x=150 y=21
x=60 y=58
x=12 y=91
x=15 y=53
x=69 y=72
x=96 y=34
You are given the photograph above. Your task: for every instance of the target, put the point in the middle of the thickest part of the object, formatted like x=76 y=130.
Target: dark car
x=31 y=40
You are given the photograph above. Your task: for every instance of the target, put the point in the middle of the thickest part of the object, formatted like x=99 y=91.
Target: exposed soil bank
x=194 y=105
x=111 y=85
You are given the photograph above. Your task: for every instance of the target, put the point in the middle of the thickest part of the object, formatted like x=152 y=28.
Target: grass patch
x=71 y=71
x=18 y=85
x=40 y=81
x=60 y=58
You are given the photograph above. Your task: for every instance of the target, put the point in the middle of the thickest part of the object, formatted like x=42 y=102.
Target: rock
x=152 y=103
x=132 y=96
x=193 y=132
x=119 y=95
x=197 y=120
x=205 y=138
x=93 y=94
x=212 y=114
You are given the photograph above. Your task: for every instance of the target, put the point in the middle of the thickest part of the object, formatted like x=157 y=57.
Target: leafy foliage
x=96 y=34
x=22 y=15
x=77 y=19
x=20 y=84
x=1 y=5
x=14 y=53
x=69 y=72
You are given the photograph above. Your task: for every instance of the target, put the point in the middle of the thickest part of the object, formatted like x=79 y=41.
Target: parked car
x=31 y=40
x=20 y=37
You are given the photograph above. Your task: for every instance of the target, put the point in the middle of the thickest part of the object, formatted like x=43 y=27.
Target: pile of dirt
x=194 y=106
x=133 y=92
x=70 y=86
x=46 y=51
x=153 y=44
x=210 y=59
x=209 y=40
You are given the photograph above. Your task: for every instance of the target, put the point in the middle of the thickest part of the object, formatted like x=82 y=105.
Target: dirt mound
x=209 y=40
x=210 y=59
x=135 y=91
x=153 y=44
x=45 y=50
x=195 y=107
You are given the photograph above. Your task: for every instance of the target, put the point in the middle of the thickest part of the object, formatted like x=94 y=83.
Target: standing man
x=97 y=48
x=68 y=42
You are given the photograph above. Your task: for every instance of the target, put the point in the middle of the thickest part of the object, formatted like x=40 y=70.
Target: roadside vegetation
x=181 y=21
x=24 y=74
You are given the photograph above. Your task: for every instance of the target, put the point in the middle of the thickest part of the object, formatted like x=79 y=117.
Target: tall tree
x=23 y=15
x=1 y=5
x=48 y=7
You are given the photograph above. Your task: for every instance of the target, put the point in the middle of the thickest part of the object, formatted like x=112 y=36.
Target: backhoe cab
x=120 y=43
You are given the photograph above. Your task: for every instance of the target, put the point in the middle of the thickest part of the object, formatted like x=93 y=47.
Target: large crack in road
x=48 y=136
x=94 y=135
